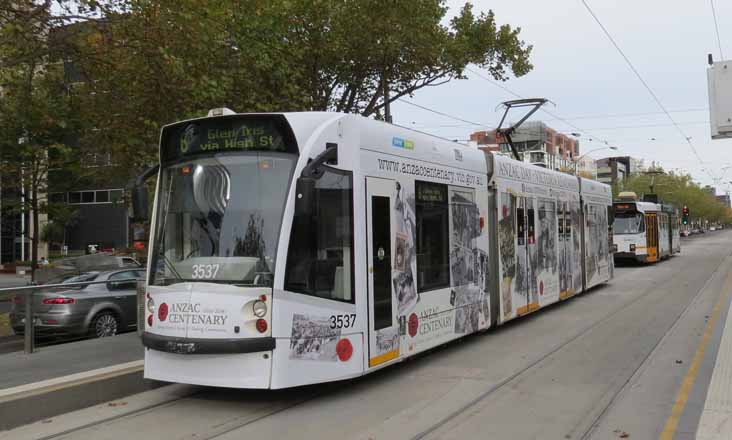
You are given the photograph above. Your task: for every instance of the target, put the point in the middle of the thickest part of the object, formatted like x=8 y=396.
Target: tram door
x=526 y=257
x=564 y=221
x=652 y=236
x=383 y=254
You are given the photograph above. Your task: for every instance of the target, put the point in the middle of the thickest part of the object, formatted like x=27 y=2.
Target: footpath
x=65 y=377
x=716 y=417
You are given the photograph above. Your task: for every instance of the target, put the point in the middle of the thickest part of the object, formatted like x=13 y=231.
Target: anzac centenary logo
x=187 y=313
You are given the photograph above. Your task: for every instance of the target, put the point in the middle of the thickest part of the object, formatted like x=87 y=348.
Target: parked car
x=685 y=233
x=96 y=310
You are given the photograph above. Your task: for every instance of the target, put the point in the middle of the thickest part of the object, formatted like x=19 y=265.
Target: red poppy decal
x=344 y=350
x=413 y=324
x=163 y=312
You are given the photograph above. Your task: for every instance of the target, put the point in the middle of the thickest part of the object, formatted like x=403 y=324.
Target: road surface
x=605 y=365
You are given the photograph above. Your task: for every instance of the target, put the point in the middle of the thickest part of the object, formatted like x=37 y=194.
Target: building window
x=89 y=197
x=433 y=235
x=102 y=196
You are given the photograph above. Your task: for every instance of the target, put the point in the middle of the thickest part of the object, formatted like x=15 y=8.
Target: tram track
x=132 y=413
x=202 y=393
x=585 y=429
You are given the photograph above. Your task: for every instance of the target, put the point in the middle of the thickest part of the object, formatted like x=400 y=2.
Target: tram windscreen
x=628 y=223
x=221 y=198
x=219 y=218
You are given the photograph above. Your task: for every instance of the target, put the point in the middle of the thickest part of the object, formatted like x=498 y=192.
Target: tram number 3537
x=342 y=321
x=204 y=271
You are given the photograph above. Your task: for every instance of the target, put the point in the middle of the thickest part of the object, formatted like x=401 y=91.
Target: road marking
x=686 y=386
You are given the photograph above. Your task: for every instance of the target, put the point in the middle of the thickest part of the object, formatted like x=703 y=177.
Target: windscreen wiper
x=171 y=267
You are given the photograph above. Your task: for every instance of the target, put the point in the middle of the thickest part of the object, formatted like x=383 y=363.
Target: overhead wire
x=716 y=28
x=648 y=88
x=555 y=116
x=441 y=113
x=617 y=127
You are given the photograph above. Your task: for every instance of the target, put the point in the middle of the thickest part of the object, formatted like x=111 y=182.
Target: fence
x=28 y=293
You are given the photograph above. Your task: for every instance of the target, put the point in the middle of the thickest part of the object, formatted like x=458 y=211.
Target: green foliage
x=680 y=190
x=155 y=62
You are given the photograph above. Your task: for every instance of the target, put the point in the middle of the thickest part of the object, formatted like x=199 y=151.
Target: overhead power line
x=441 y=113
x=716 y=28
x=553 y=115
x=645 y=84
x=621 y=127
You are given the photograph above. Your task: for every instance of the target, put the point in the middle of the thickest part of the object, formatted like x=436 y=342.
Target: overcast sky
x=577 y=67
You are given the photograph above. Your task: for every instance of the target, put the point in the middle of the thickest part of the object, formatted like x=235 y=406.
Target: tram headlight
x=632 y=248
x=150 y=305
x=259 y=308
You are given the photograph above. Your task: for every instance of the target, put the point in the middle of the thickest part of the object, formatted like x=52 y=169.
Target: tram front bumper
x=210 y=362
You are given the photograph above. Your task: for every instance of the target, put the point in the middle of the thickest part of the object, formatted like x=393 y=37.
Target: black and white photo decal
x=547 y=236
x=405 y=266
x=576 y=214
x=480 y=258
x=507 y=250
x=465 y=229
x=313 y=338
x=387 y=340
x=468 y=307
x=597 y=246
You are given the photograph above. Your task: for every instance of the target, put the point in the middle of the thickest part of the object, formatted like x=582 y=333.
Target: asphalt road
x=605 y=365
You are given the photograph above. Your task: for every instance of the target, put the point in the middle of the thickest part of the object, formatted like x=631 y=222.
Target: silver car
x=95 y=310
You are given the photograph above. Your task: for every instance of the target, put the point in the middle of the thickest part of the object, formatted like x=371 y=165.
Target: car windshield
x=628 y=223
x=219 y=218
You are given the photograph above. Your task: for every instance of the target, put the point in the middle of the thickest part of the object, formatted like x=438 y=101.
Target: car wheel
x=103 y=325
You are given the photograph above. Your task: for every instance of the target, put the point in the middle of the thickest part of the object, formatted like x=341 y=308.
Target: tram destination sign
x=227 y=134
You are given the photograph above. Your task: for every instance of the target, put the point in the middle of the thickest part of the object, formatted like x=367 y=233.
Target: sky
x=593 y=88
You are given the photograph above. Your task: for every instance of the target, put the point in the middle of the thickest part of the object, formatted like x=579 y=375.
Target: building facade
x=617 y=170
x=536 y=143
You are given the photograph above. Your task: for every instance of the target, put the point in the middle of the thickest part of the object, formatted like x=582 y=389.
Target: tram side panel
x=440 y=272
x=599 y=264
x=319 y=313
x=534 y=258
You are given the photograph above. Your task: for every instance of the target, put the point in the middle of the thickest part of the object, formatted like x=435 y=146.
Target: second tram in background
x=644 y=231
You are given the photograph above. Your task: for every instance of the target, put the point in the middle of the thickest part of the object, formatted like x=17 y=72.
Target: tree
x=35 y=113
x=149 y=63
x=680 y=190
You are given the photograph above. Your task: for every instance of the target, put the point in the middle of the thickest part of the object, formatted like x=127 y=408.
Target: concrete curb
x=37 y=401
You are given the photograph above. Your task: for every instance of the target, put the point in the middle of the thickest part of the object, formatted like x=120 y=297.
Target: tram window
x=320 y=255
x=433 y=250
x=520 y=222
x=531 y=226
x=560 y=220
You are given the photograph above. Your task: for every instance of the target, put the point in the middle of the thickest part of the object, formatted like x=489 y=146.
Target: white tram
x=290 y=249
x=643 y=231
